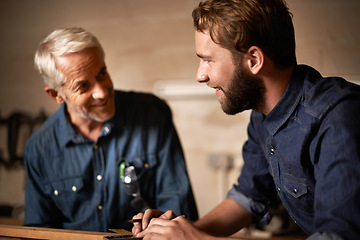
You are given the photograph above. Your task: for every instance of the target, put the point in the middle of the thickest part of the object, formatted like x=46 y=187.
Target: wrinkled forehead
x=83 y=63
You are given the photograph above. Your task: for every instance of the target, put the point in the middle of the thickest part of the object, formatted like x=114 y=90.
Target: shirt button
x=99 y=177
x=95 y=147
x=278 y=189
x=295 y=190
x=56 y=192
x=74 y=188
x=272 y=151
x=100 y=207
x=106 y=129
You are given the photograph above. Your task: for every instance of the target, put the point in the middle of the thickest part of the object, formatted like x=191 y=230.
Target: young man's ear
x=255 y=61
x=54 y=95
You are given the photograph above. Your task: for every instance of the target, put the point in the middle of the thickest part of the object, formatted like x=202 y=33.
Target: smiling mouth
x=215 y=88
x=218 y=91
x=101 y=104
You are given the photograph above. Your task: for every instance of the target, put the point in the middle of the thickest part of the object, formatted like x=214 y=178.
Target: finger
x=168 y=215
x=181 y=217
x=155 y=227
x=138 y=216
x=161 y=228
x=156 y=236
x=137 y=226
x=148 y=215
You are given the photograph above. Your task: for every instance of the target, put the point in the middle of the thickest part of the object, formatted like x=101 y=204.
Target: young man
x=303 y=136
x=104 y=155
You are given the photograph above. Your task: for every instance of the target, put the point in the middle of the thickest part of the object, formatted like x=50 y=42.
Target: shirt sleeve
x=255 y=189
x=337 y=171
x=258 y=210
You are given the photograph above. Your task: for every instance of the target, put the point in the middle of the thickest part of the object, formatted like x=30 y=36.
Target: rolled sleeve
x=258 y=210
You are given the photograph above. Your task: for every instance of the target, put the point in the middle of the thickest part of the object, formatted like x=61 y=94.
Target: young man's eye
x=206 y=61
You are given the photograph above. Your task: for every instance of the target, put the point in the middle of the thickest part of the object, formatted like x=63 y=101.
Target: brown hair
x=239 y=24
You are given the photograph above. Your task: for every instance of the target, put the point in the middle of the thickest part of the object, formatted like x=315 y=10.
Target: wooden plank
x=10 y=221
x=51 y=234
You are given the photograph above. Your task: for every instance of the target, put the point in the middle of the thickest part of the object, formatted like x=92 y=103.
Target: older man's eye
x=82 y=87
x=102 y=75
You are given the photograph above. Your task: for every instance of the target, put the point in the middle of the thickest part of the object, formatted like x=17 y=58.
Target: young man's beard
x=245 y=92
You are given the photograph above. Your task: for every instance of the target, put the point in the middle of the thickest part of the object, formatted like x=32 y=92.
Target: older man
x=105 y=154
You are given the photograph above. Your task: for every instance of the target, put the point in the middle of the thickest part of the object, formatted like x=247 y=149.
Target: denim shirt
x=74 y=183
x=306 y=151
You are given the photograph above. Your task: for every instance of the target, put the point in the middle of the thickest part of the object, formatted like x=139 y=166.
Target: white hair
x=60 y=42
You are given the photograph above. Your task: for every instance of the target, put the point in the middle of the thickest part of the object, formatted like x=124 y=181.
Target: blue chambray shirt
x=306 y=151
x=74 y=183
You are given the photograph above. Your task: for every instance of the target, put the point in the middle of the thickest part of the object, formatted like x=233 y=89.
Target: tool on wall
x=19 y=126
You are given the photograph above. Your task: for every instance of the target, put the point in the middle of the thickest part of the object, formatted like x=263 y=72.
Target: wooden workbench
x=13 y=232
x=20 y=232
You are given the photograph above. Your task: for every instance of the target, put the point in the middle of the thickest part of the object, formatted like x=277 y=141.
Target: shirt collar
x=288 y=102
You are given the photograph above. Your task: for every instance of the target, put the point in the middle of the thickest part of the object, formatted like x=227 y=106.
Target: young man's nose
x=201 y=75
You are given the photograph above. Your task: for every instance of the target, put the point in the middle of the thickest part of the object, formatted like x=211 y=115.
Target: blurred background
x=149 y=47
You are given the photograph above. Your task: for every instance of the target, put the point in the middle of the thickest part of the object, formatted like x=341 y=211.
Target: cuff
x=258 y=210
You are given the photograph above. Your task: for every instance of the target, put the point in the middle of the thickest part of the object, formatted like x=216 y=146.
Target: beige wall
x=146 y=41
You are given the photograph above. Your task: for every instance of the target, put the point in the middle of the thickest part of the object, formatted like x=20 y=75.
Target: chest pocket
x=144 y=164
x=68 y=194
x=298 y=193
x=295 y=189
x=145 y=170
